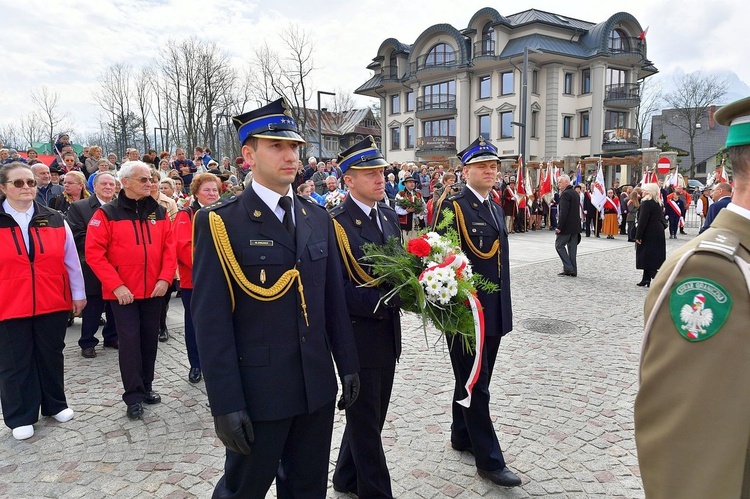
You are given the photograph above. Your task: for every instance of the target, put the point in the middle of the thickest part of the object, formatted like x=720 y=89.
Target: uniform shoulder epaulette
x=335 y=212
x=307 y=202
x=456 y=196
x=721 y=242
x=385 y=207
x=220 y=203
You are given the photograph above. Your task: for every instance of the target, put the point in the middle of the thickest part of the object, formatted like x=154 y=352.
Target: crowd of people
x=89 y=236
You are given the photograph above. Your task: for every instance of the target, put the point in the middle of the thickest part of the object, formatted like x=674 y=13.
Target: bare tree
x=114 y=98
x=10 y=135
x=651 y=101
x=48 y=111
x=142 y=89
x=342 y=105
x=691 y=99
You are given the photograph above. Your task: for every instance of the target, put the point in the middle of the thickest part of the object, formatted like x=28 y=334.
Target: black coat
x=569 y=212
x=78 y=216
x=652 y=251
x=498 y=316
x=261 y=355
x=377 y=333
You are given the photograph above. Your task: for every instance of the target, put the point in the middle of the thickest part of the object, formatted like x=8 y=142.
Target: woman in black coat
x=651 y=245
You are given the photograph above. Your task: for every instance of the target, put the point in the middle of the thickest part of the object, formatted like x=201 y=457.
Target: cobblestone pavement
x=562 y=398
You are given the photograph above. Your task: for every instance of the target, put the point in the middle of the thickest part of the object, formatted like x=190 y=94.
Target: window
x=506 y=128
x=485 y=87
x=534 y=124
x=395 y=104
x=440 y=128
x=584 y=119
x=616 y=76
x=484 y=126
x=506 y=83
x=409 y=130
x=618 y=41
x=396 y=138
x=331 y=143
x=535 y=82
x=440 y=95
x=567 y=123
x=440 y=55
x=409 y=101
x=586 y=81
x=488 y=40
x=614 y=119
x=568 y=84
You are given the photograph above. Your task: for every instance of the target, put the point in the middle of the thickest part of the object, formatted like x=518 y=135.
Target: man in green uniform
x=692 y=412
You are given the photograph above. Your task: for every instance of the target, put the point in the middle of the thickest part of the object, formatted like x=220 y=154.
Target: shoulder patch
x=720 y=241
x=699 y=308
x=336 y=211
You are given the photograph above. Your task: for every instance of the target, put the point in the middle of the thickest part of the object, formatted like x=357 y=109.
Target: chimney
x=711 y=121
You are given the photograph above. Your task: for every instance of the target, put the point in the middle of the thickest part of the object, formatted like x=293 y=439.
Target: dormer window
x=441 y=55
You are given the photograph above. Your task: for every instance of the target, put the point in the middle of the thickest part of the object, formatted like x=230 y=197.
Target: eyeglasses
x=143 y=180
x=20 y=182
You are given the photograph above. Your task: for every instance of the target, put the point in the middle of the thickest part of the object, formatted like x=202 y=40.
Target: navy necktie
x=286 y=203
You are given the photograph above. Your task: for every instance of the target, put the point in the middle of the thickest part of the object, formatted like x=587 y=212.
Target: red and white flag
x=546 y=184
x=598 y=191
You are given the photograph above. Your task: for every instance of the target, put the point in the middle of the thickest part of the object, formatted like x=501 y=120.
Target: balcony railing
x=619 y=138
x=436 y=145
x=434 y=61
x=484 y=48
x=622 y=95
x=627 y=45
x=436 y=105
x=390 y=72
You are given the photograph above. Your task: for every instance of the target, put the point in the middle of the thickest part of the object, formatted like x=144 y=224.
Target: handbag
x=664 y=223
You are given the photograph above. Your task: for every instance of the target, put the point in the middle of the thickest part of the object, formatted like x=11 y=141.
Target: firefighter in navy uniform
x=363 y=218
x=269 y=312
x=480 y=223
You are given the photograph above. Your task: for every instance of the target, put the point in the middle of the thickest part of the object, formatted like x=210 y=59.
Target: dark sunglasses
x=142 y=180
x=20 y=182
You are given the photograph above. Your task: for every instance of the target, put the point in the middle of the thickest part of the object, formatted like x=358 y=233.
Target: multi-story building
x=452 y=85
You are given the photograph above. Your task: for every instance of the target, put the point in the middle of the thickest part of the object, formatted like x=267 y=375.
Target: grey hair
x=168 y=181
x=564 y=176
x=127 y=168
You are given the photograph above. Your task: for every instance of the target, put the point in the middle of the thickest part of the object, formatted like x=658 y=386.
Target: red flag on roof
x=642 y=36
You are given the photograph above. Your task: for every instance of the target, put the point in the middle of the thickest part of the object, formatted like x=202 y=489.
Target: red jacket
x=131 y=243
x=33 y=282
x=183 y=232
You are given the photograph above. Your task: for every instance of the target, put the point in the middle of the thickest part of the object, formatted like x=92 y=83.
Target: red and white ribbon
x=476 y=310
x=676 y=209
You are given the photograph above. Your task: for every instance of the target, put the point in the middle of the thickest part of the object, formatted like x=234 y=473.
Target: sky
x=67 y=45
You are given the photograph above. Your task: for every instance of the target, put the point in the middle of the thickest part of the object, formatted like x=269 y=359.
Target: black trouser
x=294 y=450
x=138 y=332
x=361 y=465
x=190 y=343
x=472 y=426
x=91 y=314
x=165 y=306
x=592 y=219
x=648 y=274
x=31 y=367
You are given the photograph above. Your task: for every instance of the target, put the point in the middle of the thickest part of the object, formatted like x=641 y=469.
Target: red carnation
x=419 y=247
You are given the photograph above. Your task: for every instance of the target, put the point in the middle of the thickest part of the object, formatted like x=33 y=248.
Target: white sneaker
x=23 y=432
x=65 y=415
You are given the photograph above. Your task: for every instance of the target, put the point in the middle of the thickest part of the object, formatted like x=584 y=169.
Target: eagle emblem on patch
x=699 y=308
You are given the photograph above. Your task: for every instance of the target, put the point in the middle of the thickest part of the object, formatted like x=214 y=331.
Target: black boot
x=646 y=279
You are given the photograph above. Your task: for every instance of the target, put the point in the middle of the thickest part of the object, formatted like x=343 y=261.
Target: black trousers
x=91 y=314
x=190 y=341
x=472 y=426
x=361 y=465
x=138 y=334
x=593 y=221
x=31 y=367
x=294 y=450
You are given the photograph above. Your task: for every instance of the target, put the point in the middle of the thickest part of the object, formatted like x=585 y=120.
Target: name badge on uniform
x=479 y=223
x=261 y=242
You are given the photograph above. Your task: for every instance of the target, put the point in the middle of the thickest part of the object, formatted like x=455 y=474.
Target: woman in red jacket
x=205 y=188
x=40 y=283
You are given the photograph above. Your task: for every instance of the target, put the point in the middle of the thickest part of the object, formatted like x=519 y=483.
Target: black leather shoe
x=112 y=344
x=643 y=283
x=102 y=321
x=70 y=321
x=88 y=353
x=462 y=448
x=195 y=375
x=503 y=477
x=164 y=335
x=152 y=398
x=564 y=273
x=135 y=411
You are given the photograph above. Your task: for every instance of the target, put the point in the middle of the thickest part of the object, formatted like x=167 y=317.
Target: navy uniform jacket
x=480 y=226
x=376 y=332
x=78 y=216
x=261 y=355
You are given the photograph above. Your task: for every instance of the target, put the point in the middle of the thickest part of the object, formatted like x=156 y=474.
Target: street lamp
x=218 y=132
x=525 y=98
x=162 y=136
x=320 y=130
